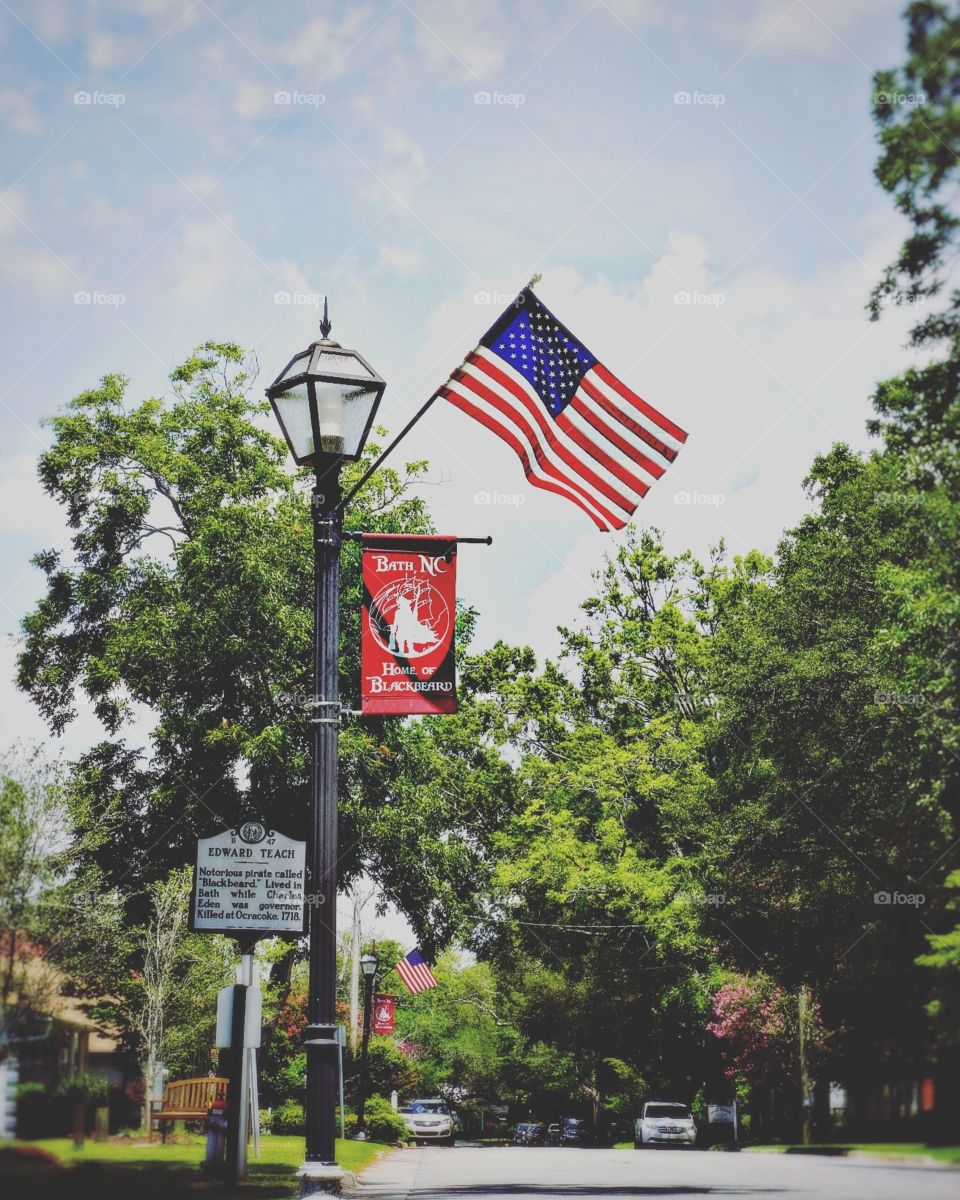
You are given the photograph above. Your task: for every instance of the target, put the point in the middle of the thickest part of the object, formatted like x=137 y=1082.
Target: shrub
x=288 y=1119
x=35 y=1116
x=83 y=1089
x=383 y=1124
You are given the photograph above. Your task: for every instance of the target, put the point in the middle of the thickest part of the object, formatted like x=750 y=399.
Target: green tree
x=188 y=593
x=33 y=833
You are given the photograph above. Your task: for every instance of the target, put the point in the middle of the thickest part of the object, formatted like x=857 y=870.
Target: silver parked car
x=664 y=1123
x=428 y=1121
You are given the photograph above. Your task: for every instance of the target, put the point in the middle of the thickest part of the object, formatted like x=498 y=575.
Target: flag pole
x=396 y=441
x=535 y=279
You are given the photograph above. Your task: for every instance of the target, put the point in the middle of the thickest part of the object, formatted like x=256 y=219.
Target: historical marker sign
x=249 y=880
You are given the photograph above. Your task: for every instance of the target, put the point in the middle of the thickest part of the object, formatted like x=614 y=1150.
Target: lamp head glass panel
x=326 y=399
x=368 y=964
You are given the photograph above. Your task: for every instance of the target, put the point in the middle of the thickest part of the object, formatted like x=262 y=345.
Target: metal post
x=236 y=1160
x=319 y=1172
x=341 y=1042
x=368 y=981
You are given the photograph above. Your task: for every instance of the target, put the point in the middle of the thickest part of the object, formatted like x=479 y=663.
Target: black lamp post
x=368 y=965
x=325 y=400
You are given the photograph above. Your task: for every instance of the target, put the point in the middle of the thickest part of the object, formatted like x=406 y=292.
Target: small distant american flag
x=415 y=972
x=578 y=430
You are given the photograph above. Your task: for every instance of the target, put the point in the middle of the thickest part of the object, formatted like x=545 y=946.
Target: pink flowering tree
x=755 y=1024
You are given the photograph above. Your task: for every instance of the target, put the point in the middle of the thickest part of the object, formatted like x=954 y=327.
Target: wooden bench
x=186 y=1100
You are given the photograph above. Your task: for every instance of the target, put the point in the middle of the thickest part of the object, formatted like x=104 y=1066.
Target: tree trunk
x=79 y=1122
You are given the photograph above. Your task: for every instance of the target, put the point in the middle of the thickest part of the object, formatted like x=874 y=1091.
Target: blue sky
x=188 y=166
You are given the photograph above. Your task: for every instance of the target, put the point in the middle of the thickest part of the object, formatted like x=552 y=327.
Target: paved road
x=464 y=1172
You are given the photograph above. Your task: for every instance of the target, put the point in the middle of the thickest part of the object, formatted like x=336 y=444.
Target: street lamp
x=368 y=965
x=325 y=399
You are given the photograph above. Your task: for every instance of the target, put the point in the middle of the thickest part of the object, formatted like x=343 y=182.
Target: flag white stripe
x=576 y=452
x=417 y=976
x=426 y=975
x=634 y=414
x=620 y=427
x=554 y=468
x=589 y=431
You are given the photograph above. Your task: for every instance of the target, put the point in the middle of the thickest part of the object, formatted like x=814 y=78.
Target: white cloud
x=764 y=371
x=18 y=113
x=464 y=39
x=203 y=261
x=25 y=508
x=402 y=159
x=813 y=27
x=34 y=267
x=105 y=51
x=331 y=47
x=252 y=100
x=402 y=259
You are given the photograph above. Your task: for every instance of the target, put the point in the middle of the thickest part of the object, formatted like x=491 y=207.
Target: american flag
x=578 y=430
x=415 y=972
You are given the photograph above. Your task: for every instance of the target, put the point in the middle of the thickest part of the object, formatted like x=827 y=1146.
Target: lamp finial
x=325 y=322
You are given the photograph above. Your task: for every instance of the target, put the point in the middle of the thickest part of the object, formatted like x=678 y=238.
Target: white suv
x=428 y=1121
x=664 y=1122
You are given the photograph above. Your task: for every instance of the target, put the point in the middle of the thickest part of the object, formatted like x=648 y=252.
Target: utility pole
x=355 y=969
x=803 y=1009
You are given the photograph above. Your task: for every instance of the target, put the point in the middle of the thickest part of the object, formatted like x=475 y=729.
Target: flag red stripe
x=589 y=414
x=573 y=479
x=594 y=450
x=416 y=976
x=638 y=430
x=647 y=409
x=535 y=409
x=521 y=452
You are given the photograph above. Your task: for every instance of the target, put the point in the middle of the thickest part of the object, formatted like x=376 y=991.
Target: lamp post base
x=318 y=1178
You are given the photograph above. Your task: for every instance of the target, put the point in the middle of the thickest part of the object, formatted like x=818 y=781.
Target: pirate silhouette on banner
x=409 y=610
x=384 y=1008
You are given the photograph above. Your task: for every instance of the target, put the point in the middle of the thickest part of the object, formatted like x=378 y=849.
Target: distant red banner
x=409 y=608
x=384 y=1012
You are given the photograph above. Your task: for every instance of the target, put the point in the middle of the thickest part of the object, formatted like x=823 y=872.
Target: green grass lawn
x=134 y=1169
x=944 y=1154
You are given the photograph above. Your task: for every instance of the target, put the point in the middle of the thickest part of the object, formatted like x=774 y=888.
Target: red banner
x=409 y=608
x=384 y=1011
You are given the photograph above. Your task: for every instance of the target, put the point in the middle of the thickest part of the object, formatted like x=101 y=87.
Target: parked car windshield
x=680 y=1111
x=427 y=1106
x=574 y=1121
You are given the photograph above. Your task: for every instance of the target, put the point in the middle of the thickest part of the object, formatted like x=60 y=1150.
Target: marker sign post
x=249 y=883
